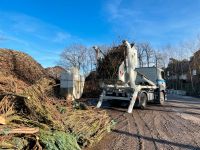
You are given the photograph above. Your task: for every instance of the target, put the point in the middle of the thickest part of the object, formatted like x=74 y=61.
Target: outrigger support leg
x=133 y=99
x=101 y=99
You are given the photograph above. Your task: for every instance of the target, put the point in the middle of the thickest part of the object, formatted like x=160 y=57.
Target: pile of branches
x=106 y=72
x=108 y=67
x=21 y=66
x=31 y=117
x=19 y=70
x=10 y=84
x=91 y=86
x=55 y=72
x=35 y=118
x=27 y=118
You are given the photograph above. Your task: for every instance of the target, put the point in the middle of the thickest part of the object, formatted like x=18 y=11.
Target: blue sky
x=43 y=28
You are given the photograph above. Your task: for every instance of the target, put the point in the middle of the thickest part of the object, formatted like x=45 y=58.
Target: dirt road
x=176 y=125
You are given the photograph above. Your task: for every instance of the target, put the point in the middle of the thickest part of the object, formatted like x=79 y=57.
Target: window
x=163 y=74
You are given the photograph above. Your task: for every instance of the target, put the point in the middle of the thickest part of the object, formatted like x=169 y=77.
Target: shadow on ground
x=180 y=145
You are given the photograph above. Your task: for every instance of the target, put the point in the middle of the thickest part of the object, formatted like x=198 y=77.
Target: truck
x=138 y=85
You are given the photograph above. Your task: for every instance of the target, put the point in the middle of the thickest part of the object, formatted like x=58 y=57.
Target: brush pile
x=107 y=72
x=55 y=72
x=109 y=65
x=91 y=86
x=31 y=117
x=21 y=66
x=10 y=84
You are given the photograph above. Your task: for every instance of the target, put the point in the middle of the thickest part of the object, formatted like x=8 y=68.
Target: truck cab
x=156 y=75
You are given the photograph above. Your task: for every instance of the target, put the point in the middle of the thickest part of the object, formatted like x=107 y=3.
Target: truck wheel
x=161 y=98
x=143 y=100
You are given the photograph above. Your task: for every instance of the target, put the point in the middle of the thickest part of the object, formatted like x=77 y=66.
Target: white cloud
x=2 y=38
x=155 y=21
x=118 y=9
x=61 y=37
x=43 y=41
x=21 y=24
x=113 y=8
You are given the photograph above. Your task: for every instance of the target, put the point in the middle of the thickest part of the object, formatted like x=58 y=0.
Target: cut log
x=23 y=130
x=2 y=120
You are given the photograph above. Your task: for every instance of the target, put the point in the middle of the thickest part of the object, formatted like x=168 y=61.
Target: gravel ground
x=176 y=125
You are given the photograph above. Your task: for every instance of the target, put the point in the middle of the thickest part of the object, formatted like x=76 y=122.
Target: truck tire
x=143 y=100
x=161 y=98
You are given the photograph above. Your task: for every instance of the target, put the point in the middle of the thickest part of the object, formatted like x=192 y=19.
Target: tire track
x=153 y=120
x=149 y=130
x=119 y=138
x=144 y=132
x=188 y=130
x=154 y=128
x=178 y=127
x=140 y=141
x=160 y=133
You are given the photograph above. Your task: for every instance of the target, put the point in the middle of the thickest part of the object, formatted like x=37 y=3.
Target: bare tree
x=90 y=60
x=187 y=49
x=140 y=55
x=167 y=52
x=184 y=64
x=147 y=52
x=75 y=55
x=160 y=59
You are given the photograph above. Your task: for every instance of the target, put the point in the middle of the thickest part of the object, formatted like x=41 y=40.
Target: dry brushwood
x=107 y=72
x=38 y=110
x=10 y=84
x=37 y=144
x=7 y=111
x=37 y=100
x=91 y=86
x=55 y=72
x=20 y=65
x=108 y=66
x=25 y=101
x=30 y=104
x=89 y=125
